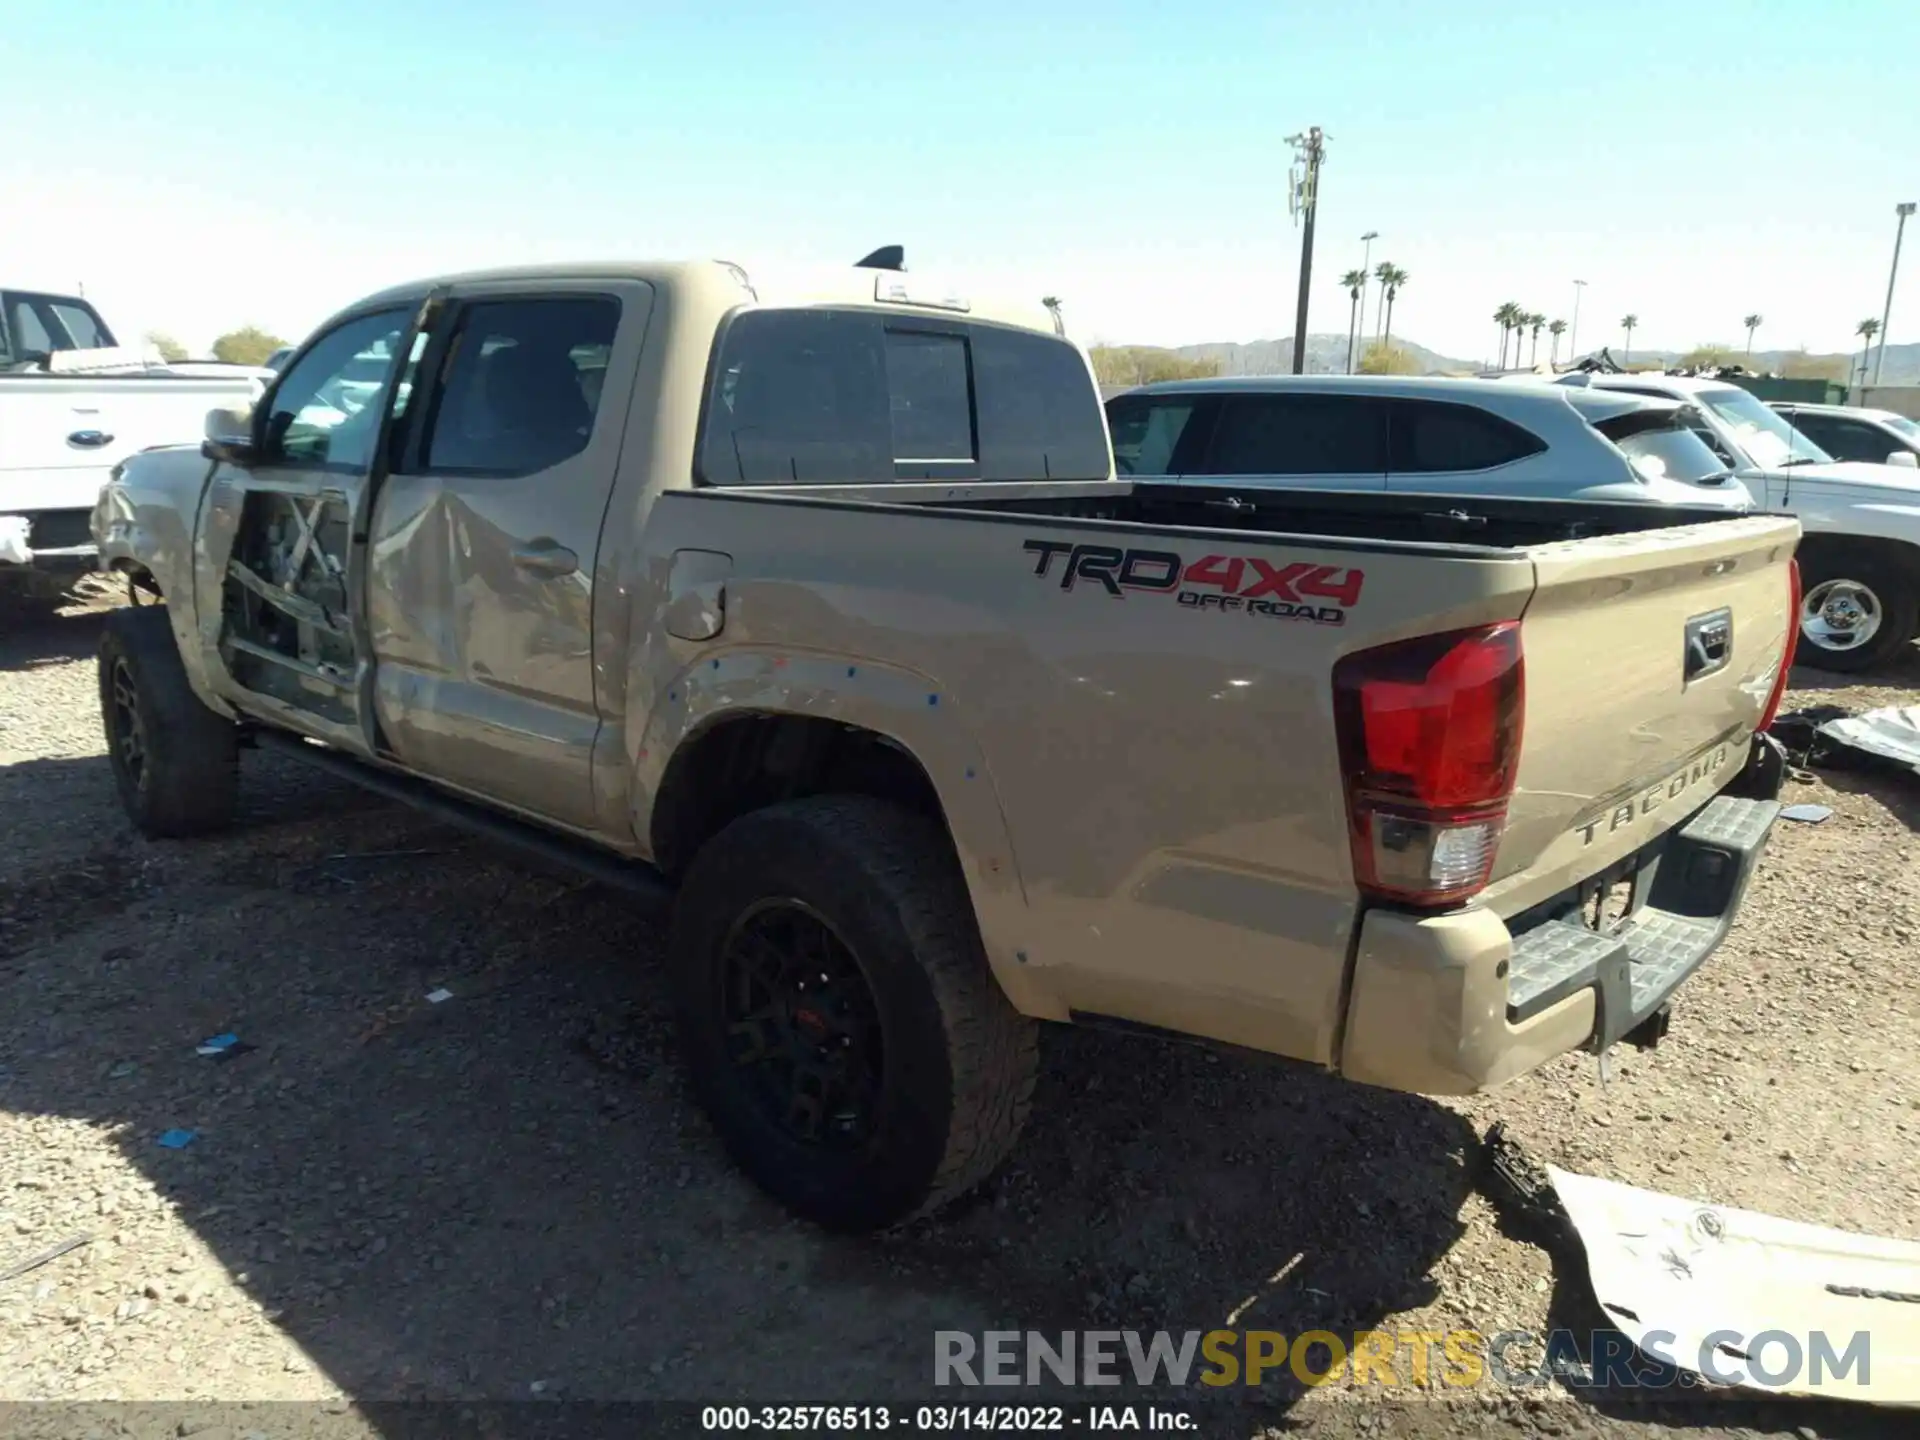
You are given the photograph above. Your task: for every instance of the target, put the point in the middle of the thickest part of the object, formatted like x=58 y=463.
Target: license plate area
x=1609 y=900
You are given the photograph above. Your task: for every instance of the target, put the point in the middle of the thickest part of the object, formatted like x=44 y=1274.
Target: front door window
x=323 y=413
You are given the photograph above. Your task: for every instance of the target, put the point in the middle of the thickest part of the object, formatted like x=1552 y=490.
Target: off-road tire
x=187 y=777
x=1898 y=591
x=958 y=1061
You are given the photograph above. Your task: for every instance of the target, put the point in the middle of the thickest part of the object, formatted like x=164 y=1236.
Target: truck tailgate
x=1650 y=659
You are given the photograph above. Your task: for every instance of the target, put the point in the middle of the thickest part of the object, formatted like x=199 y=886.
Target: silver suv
x=1432 y=436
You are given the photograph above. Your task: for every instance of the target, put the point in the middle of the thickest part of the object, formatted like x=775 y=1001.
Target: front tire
x=1858 y=610
x=175 y=762
x=839 y=1019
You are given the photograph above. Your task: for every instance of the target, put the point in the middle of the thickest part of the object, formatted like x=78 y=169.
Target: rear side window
x=1300 y=435
x=516 y=394
x=1147 y=431
x=1843 y=439
x=819 y=396
x=1433 y=437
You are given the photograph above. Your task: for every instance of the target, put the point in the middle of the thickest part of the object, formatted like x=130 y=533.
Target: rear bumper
x=1456 y=1003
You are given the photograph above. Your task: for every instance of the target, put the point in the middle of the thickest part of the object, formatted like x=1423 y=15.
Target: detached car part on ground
x=822 y=616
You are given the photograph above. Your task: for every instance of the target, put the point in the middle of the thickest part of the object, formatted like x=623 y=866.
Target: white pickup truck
x=73 y=404
x=1860 y=560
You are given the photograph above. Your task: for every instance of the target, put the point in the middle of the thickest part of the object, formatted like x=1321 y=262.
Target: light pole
x=1573 y=330
x=1903 y=210
x=1366 y=268
x=1304 y=199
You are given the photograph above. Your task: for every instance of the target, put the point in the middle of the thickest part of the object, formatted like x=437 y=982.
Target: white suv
x=1860 y=558
x=1430 y=436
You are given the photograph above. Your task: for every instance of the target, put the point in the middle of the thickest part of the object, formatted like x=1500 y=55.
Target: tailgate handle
x=1709 y=643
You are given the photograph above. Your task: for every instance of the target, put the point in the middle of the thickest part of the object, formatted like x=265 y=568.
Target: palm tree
x=1534 y=322
x=1866 y=330
x=1752 y=322
x=1627 y=322
x=1355 y=282
x=1510 y=317
x=1391 y=278
x=1556 y=330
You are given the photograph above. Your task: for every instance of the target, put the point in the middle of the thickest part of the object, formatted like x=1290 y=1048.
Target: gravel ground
x=510 y=1195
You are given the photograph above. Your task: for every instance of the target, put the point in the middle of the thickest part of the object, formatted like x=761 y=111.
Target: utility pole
x=1903 y=210
x=1573 y=330
x=1303 y=199
x=1366 y=269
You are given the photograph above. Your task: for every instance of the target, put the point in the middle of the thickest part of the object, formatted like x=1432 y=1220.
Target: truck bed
x=1473 y=523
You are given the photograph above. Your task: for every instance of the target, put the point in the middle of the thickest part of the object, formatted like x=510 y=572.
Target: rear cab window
x=845 y=396
x=33 y=326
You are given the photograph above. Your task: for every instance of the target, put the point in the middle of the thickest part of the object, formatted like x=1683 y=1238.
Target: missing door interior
x=285 y=631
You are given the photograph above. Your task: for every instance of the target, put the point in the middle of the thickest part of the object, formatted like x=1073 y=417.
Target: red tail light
x=1429 y=743
x=1793 y=645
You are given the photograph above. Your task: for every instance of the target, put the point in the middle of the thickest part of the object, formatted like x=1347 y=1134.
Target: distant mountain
x=1326 y=355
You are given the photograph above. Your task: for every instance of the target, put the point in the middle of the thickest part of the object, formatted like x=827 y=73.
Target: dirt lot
x=509 y=1195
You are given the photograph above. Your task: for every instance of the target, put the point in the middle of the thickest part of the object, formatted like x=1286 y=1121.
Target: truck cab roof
x=731 y=284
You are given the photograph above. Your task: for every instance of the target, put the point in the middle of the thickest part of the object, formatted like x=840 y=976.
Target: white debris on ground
x=1750 y=1299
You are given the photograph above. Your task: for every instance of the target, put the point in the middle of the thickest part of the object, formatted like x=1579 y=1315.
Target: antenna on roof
x=887 y=257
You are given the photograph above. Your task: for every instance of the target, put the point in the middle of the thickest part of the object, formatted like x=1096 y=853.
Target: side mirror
x=1906 y=459
x=229 y=436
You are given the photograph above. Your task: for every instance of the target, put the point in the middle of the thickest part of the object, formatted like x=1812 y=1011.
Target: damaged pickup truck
x=823 y=615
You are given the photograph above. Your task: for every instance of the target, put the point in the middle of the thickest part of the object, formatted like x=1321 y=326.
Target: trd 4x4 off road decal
x=1292 y=591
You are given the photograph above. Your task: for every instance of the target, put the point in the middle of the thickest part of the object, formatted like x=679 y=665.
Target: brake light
x=1429 y=733
x=1793 y=645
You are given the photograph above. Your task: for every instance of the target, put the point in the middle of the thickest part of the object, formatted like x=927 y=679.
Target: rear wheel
x=174 y=761
x=839 y=1019
x=1858 y=609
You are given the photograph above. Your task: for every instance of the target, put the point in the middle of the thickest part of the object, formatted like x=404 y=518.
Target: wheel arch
x=741 y=731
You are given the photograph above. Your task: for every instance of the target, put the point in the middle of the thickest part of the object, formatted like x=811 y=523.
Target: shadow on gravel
x=1901 y=673
x=1898 y=793
x=37 y=634
x=458 y=1200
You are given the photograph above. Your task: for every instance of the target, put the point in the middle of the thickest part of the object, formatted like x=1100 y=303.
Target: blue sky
x=202 y=165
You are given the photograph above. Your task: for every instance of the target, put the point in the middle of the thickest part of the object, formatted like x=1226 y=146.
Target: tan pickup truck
x=823 y=614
